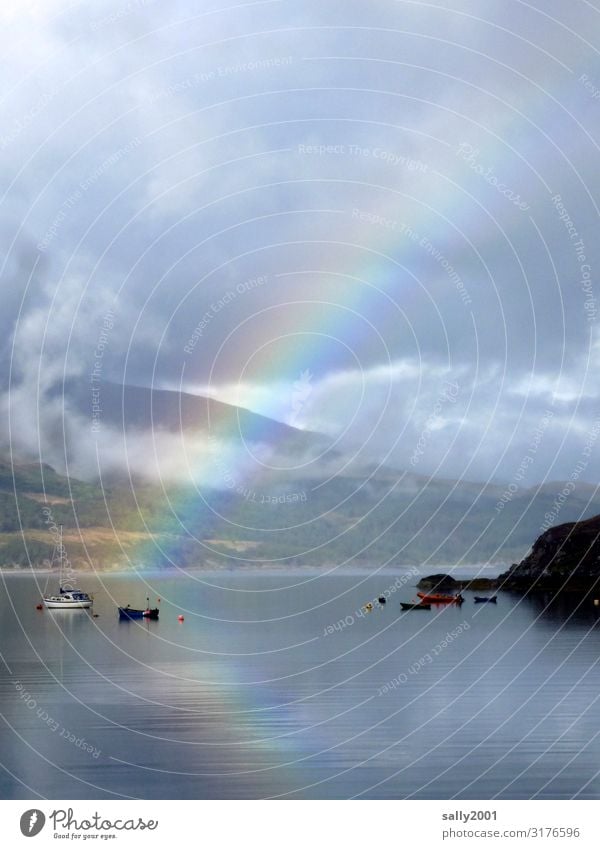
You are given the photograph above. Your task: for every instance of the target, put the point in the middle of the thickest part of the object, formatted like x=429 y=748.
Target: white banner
x=298 y=824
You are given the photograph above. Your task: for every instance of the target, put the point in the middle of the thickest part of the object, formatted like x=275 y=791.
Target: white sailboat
x=67 y=599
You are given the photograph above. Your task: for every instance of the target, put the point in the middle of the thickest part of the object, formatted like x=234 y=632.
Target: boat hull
x=422 y=606
x=438 y=598
x=61 y=604
x=482 y=600
x=132 y=613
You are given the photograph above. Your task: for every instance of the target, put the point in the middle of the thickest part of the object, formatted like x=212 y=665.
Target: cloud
x=415 y=184
x=451 y=422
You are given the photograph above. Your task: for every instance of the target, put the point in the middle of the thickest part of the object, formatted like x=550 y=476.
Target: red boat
x=440 y=598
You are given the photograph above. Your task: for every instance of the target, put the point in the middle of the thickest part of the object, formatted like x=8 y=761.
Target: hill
x=368 y=518
x=148 y=409
x=565 y=557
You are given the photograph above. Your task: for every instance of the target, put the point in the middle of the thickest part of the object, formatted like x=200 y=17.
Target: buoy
x=180 y=617
x=39 y=607
x=382 y=599
x=158 y=601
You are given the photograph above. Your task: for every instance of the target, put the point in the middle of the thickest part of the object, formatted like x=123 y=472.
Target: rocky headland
x=563 y=558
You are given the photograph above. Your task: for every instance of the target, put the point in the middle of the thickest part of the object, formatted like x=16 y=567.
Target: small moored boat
x=440 y=598
x=480 y=599
x=67 y=599
x=414 y=606
x=133 y=613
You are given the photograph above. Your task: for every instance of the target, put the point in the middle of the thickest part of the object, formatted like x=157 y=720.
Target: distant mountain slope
x=143 y=408
x=393 y=517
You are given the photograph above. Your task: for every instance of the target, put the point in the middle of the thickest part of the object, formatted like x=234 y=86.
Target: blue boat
x=480 y=599
x=132 y=613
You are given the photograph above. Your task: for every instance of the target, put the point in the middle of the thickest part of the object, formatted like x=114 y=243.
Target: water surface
x=276 y=685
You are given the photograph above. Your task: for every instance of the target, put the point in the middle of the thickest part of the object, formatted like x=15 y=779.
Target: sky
x=373 y=220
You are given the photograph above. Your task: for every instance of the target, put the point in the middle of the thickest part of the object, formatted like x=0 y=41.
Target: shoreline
x=476 y=571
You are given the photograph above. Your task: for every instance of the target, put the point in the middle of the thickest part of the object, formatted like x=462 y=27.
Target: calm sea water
x=275 y=686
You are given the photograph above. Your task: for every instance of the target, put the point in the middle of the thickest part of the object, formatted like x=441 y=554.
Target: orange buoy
x=180 y=617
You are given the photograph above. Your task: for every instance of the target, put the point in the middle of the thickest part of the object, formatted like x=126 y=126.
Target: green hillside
x=390 y=517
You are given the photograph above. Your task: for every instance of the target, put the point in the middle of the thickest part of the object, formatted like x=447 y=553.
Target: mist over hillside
x=372 y=519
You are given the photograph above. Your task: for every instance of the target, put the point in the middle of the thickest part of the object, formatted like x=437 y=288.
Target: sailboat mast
x=60 y=558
